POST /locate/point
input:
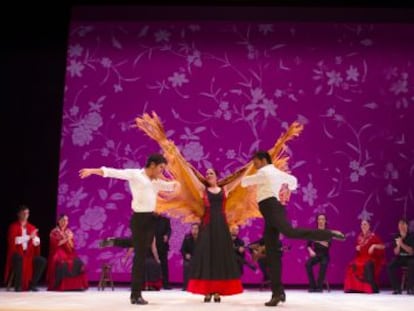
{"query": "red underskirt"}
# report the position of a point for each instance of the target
(222, 287)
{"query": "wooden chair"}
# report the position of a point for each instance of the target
(106, 276)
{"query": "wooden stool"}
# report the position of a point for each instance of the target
(106, 276)
(10, 280)
(404, 272)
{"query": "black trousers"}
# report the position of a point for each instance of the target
(39, 265)
(274, 215)
(323, 266)
(163, 255)
(186, 272)
(395, 265)
(142, 227)
(123, 242)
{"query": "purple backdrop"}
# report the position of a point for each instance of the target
(224, 89)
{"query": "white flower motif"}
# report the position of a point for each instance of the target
(269, 107)
(224, 105)
(81, 238)
(118, 88)
(391, 172)
(335, 78)
(76, 197)
(390, 189)
(193, 151)
(75, 68)
(354, 165)
(177, 79)
(278, 93)
(365, 215)
(93, 120)
(265, 28)
(330, 112)
(257, 95)
(230, 154)
(218, 113)
(94, 218)
(399, 87)
(195, 59)
(362, 171)
(162, 35)
(227, 115)
(354, 177)
(352, 74)
(81, 136)
(106, 62)
(75, 50)
(309, 193)
(74, 110)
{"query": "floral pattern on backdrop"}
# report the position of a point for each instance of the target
(225, 89)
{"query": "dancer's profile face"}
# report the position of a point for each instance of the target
(157, 170)
(259, 163)
(211, 177)
(321, 221)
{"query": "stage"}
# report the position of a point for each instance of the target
(176, 299)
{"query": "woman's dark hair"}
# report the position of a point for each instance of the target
(403, 220)
(205, 182)
(155, 158)
(60, 217)
(262, 155)
(21, 208)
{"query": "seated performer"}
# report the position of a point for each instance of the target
(363, 272)
(318, 254)
(404, 257)
(187, 251)
(65, 270)
(239, 249)
(258, 251)
(23, 253)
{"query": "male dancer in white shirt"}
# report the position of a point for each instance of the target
(271, 184)
(144, 185)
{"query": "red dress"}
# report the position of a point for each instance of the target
(16, 230)
(355, 278)
(213, 268)
(64, 254)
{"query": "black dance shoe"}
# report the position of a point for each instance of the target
(274, 301)
(217, 298)
(106, 242)
(397, 292)
(338, 235)
(137, 300)
(207, 298)
(283, 297)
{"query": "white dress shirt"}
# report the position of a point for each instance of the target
(269, 181)
(144, 190)
(25, 238)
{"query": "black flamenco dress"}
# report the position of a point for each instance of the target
(214, 267)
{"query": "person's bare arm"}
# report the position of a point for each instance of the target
(86, 172)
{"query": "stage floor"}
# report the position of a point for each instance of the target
(177, 300)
